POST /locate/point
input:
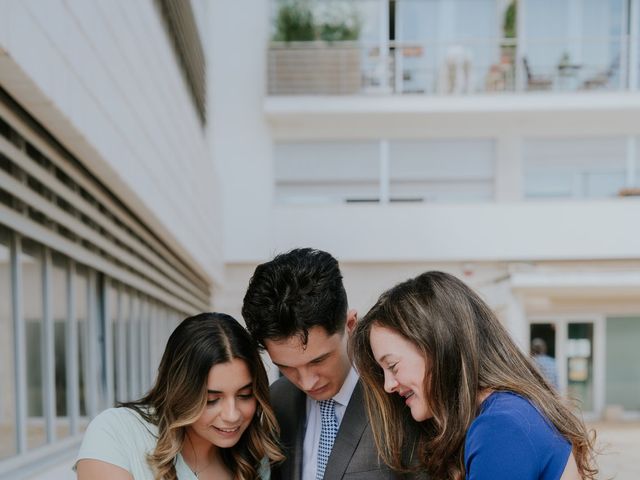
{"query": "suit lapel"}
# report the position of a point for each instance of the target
(300, 415)
(353, 424)
(292, 417)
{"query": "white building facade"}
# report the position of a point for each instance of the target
(109, 214)
(492, 139)
(505, 154)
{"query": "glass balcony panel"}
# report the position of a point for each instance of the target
(458, 47)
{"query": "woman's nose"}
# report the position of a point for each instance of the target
(390, 383)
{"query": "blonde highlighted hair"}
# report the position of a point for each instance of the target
(470, 351)
(179, 395)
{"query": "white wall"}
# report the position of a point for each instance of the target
(102, 77)
(241, 142)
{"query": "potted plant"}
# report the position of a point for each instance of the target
(311, 56)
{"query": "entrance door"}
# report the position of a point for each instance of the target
(579, 365)
(571, 343)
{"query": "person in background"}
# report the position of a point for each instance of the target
(443, 379)
(296, 307)
(546, 363)
(207, 416)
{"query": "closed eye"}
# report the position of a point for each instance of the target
(318, 360)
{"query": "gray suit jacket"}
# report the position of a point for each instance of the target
(354, 455)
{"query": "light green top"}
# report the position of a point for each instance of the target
(121, 437)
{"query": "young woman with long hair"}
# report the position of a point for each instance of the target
(449, 393)
(207, 415)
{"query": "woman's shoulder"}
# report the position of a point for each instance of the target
(122, 421)
(121, 437)
(117, 414)
(507, 418)
(510, 405)
(510, 431)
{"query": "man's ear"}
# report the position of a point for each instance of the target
(352, 319)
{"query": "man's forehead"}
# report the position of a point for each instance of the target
(293, 351)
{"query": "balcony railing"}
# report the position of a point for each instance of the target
(466, 67)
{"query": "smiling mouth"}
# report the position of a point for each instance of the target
(227, 430)
(407, 395)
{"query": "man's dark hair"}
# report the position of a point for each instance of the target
(538, 347)
(293, 293)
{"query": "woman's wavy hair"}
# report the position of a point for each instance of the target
(179, 395)
(470, 351)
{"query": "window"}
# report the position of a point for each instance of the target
(8, 445)
(81, 285)
(442, 171)
(32, 308)
(623, 363)
(60, 309)
(63, 238)
(327, 172)
(575, 168)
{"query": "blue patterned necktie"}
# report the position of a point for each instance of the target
(327, 434)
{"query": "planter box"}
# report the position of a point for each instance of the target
(629, 192)
(314, 68)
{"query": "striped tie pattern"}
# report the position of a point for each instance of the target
(328, 434)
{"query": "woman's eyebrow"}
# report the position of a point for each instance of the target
(381, 359)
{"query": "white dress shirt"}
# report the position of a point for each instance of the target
(314, 424)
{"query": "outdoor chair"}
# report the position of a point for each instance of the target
(536, 82)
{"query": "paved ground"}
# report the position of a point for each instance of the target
(620, 445)
(620, 458)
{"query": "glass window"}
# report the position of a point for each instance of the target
(578, 46)
(442, 170)
(143, 346)
(623, 363)
(446, 46)
(133, 350)
(60, 315)
(122, 357)
(82, 316)
(579, 349)
(327, 172)
(112, 302)
(7, 365)
(32, 302)
(574, 168)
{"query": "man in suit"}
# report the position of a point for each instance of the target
(296, 308)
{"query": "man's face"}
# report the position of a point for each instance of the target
(318, 368)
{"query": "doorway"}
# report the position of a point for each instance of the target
(577, 347)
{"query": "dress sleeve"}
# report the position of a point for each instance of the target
(264, 471)
(500, 447)
(105, 441)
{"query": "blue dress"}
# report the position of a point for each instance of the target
(511, 439)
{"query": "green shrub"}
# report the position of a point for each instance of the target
(295, 23)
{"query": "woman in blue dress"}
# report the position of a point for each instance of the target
(430, 350)
(207, 416)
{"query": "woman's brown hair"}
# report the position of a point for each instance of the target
(470, 352)
(179, 395)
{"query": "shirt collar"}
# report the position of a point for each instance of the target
(344, 395)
